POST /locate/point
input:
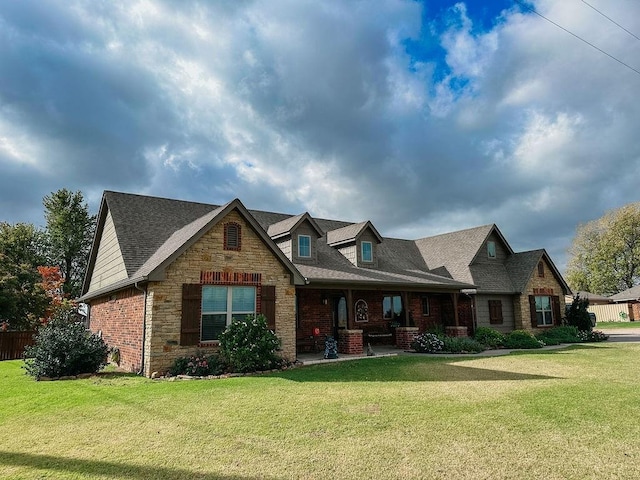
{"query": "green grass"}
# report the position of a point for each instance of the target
(570, 413)
(602, 325)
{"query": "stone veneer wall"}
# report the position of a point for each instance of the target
(164, 299)
(119, 318)
(521, 309)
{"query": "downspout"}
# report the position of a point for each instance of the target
(144, 325)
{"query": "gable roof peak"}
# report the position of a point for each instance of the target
(351, 233)
(288, 225)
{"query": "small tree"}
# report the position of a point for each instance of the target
(248, 345)
(578, 316)
(70, 231)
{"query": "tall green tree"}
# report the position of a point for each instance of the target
(22, 298)
(604, 257)
(70, 231)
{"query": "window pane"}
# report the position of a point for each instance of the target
(540, 318)
(367, 252)
(546, 303)
(342, 312)
(304, 246)
(213, 326)
(386, 307)
(491, 249)
(397, 305)
(244, 299)
(214, 299)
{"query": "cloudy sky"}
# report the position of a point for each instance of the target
(424, 117)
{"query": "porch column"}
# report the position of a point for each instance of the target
(457, 330)
(405, 307)
(350, 310)
(454, 298)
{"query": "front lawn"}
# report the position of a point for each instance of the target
(608, 325)
(570, 413)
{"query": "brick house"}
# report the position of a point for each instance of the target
(166, 276)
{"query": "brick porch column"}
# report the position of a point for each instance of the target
(456, 331)
(405, 336)
(350, 342)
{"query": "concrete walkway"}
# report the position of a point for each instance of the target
(615, 335)
(390, 351)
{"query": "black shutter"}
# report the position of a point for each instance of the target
(268, 304)
(191, 304)
(532, 311)
(495, 311)
(555, 308)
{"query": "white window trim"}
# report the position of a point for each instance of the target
(362, 251)
(299, 238)
(545, 313)
(229, 312)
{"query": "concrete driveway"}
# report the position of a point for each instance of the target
(621, 334)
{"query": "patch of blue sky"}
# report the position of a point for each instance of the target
(440, 16)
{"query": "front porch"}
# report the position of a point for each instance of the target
(357, 318)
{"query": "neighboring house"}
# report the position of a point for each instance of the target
(630, 296)
(165, 277)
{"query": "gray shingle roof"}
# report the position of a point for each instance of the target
(631, 294)
(284, 227)
(350, 233)
(453, 252)
(151, 231)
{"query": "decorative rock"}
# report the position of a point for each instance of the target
(154, 375)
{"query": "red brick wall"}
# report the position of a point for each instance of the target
(120, 319)
(312, 313)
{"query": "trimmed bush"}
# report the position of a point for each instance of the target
(64, 348)
(578, 316)
(489, 337)
(462, 345)
(558, 335)
(427, 343)
(521, 339)
(198, 365)
(593, 336)
(249, 346)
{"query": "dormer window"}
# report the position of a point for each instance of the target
(367, 251)
(491, 249)
(304, 246)
(232, 236)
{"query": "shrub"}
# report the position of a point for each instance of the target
(198, 365)
(462, 345)
(558, 335)
(522, 339)
(578, 316)
(248, 345)
(593, 336)
(489, 337)
(64, 348)
(427, 343)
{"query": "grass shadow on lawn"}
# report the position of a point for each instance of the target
(101, 468)
(403, 369)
